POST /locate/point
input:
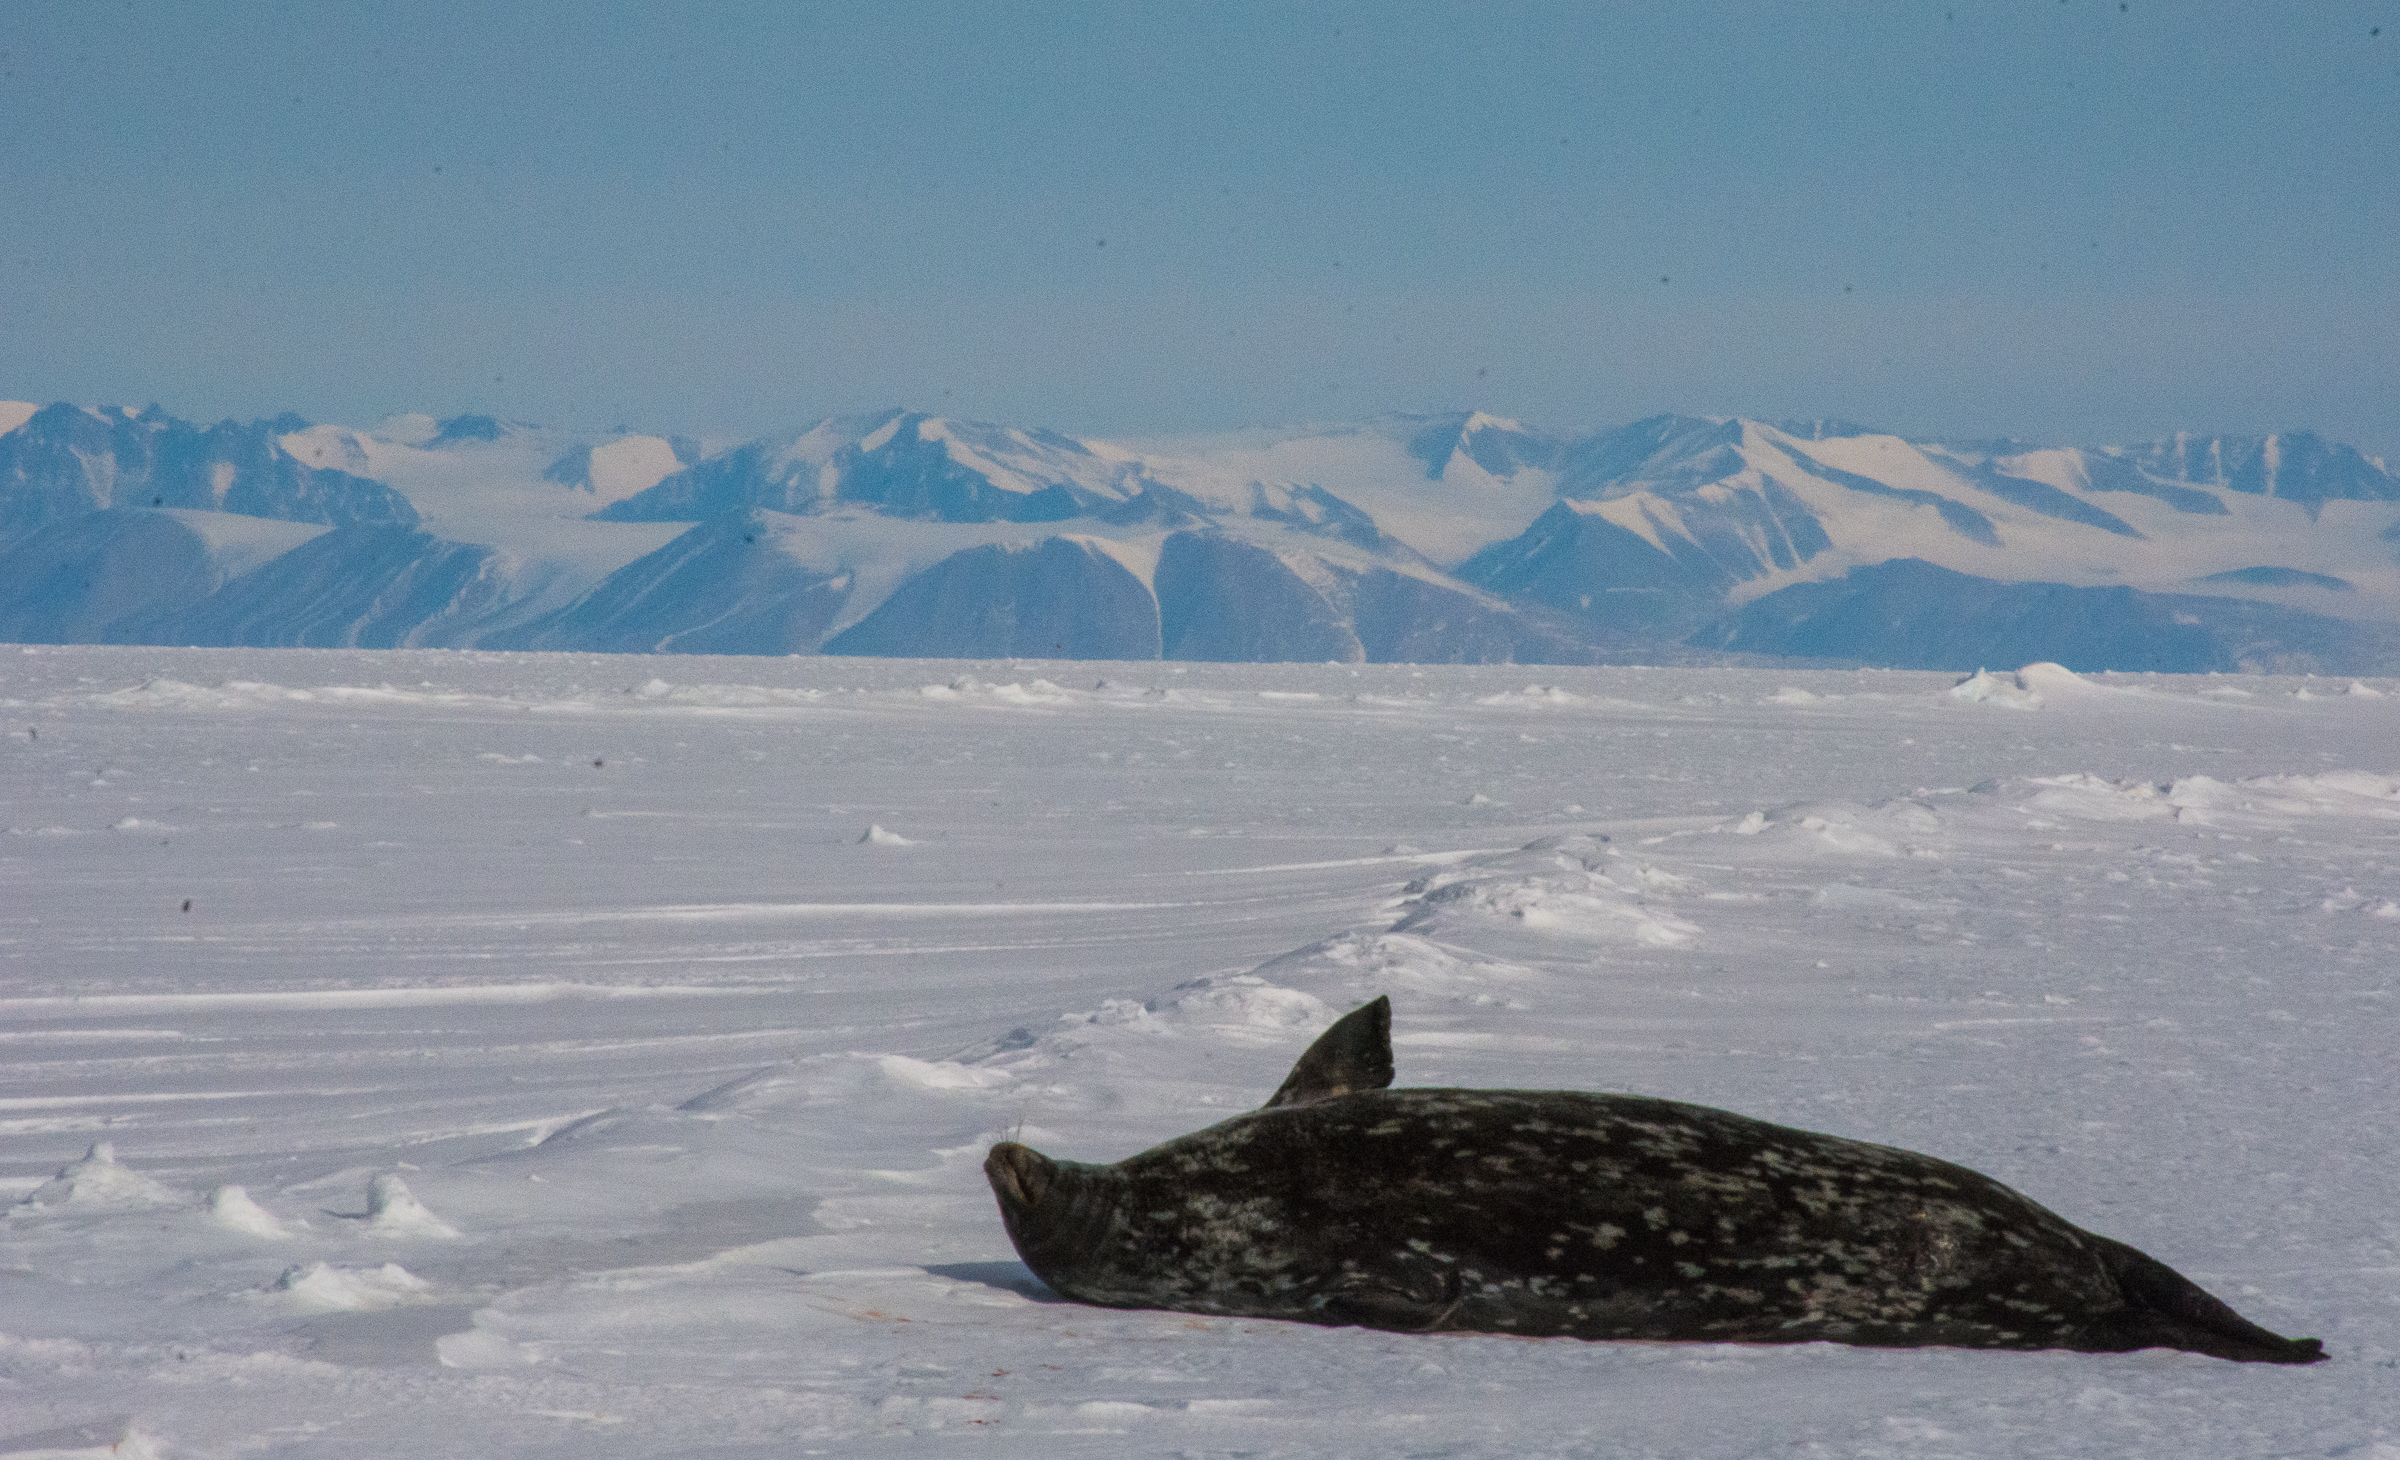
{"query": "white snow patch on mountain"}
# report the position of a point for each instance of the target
(237, 543)
(630, 464)
(1367, 465)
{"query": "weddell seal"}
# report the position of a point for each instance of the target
(1547, 1212)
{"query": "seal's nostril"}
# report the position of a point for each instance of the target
(1020, 1173)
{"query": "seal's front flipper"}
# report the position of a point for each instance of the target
(1355, 1054)
(1417, 1300)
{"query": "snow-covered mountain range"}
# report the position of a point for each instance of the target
(1452, 538)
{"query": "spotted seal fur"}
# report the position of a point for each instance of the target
(1597, 1216)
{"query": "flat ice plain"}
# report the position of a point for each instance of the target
(575, 1055)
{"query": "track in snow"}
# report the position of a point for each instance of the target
(599, 966)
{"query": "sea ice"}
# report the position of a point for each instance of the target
(704, 1087)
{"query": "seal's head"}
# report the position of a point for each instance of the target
(1058, 1213)
(1079, 1227)
(1021, 1176)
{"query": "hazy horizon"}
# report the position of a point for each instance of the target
(2085, 223)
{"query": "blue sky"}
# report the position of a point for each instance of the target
(2081, 222)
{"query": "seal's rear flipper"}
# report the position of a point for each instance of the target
(2165, 1309)
(1355, 1054)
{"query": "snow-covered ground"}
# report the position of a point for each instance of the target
(573, 1055)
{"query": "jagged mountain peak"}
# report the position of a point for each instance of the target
(1337, 540)
(2299, 466)
(1499, 446)
(1825, 428)
(616, 469)
(900, 463)
(1657, 452)
(64, 419)
(468, 430)
(984, 436)
(152, 414)
(62, 461)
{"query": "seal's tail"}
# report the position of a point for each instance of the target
(2165, 1309)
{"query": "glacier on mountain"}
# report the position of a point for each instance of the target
(1463, 537)
(62, 461)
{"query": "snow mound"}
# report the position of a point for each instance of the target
(852, 1079)
(1792, 695)
(1552, 888)
(105, 1440)
(583, 1128)
(1242, 1009)
(1849, 897)
(230, 1207)
(2358, 691)
(394, 1211)
(2095, 798)
(97, 1182)
(939, 1074)
(320, 1287)
(2021, 690)
(650, 696)
(2349, 899)
(2266, 802)
(876, 836)
(721, 696)
(1359, 965)
(743, 1092)
(1535, 694)
(162, 693)
(1902, 826)
(968, 687)
(1113, 692)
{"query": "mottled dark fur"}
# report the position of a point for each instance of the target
(1597, 1216)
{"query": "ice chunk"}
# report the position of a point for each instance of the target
(2009, 691)
(394, 1211)
(320, 1287)
(97, 1181)
(231, 1207)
